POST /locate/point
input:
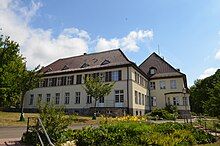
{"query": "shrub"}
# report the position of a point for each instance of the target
(163, 114)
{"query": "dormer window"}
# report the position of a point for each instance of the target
(105, 62)
(65, 67)
(49, 69)
(152, 71)
(84, 65)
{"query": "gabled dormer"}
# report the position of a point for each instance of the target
(105, 62)
(84, 65)
(65, 67)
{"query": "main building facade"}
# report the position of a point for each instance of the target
(137, 89)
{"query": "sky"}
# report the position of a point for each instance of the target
(185, 33)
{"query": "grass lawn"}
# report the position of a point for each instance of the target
(12, 118)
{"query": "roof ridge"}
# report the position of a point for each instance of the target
(91, 53)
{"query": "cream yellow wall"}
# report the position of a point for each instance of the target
(159, 93)
(109, 100)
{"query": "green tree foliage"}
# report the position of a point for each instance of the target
(96, 88)
(11, 66)
(205, 95)
(15, 79)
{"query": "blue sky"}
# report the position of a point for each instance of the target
(187, 32)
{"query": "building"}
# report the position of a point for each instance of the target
(63, 81)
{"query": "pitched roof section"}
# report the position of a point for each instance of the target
(94, 60)
(162, 67)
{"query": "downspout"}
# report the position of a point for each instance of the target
(150, 108)
(128, 89)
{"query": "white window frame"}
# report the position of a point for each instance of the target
(48, 97)
(119, 96)
(176, 101)
(152, 85)
(67, 98)
(57, 98)
(78, 94)
(173, 84)
(162, 84)
(31, 101)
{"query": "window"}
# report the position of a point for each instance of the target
(143, 99)
(89, 99)
(48, 97)
(105, 62)
(136, 77)
(77, 98)
(68, 80)
(139, 98)
(136, 113)
(95, 75)
(136, 97)
(50, 82)
(45, 82)
(79, 79)
(39, 97)
(119, 96)
(116, 75)
(31, 99)
(152, 71)
(141, 80)
(63, 81)
(162, 85)
(59, 79)
(146, 99)
(41, 83)
(108, 76)
(54, 81)
(67, 98)
(152, 86)
(153, 101)
(101, 100)
(185, 102)
(57, 98)
(175, 101)
(173, 84)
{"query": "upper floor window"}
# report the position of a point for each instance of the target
(173, 84)
(162, 85)
(45, 83)
(70, 80)
(152, 86)
(54, 81)
(119, 96)
(136, 77)
(79, 79)
(63, 81)
(77, 98)
(136, 97)
(59, 79)
(31, 99)
(108, 76)
(116, 75)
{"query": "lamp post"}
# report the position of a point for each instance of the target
(185, 101)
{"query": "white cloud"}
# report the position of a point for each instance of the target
(208, 72)
(127, 43)
(38, 45)
(217, 55)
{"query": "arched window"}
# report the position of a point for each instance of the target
(152, 71)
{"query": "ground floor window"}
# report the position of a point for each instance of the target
(101, 100)
(185, 101)
(48, 97)
(175, 101)
(77, 98)
(67, 98)
(119, 96)
(57, 99)
(39, 97)
(89, 99)
(31, 99)
(136, 113)
(153, 101)
(136, 97)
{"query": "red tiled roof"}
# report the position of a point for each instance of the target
(159, 63)
(88, 61)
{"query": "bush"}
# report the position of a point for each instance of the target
(55, 122)
(163, 114)
(134, 133)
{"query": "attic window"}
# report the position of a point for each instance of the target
(65, 67)
(105, 62)
(49, 69)
(152, 71)
(94, 60)
(84, 65)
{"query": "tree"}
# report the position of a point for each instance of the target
(205, 95)
(11, 65)
(96, 88)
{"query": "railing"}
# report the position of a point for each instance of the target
(38, 128)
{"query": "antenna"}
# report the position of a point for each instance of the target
(158, 49)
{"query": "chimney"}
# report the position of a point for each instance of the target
(178, 69)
